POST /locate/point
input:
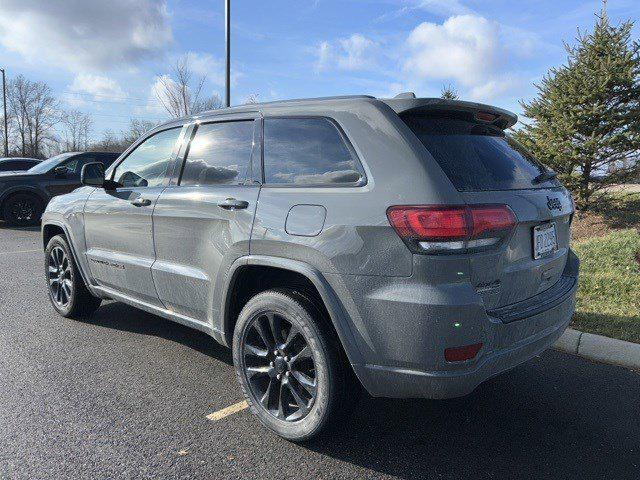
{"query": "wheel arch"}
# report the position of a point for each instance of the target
(305, 277)
(52, 228)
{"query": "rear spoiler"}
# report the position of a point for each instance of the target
(502, 118)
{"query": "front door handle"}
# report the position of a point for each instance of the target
(141, 202)
(233, 204)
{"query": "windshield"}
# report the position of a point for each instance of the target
(50, 163)
(478, 157)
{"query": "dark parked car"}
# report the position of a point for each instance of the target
(17, 164)
(25, 194)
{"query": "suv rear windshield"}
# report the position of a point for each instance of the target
(477, 157)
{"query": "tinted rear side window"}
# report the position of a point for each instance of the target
(220, 154)
(477, 157)
(308, 151)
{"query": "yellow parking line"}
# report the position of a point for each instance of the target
(225, 412)
(20, 251)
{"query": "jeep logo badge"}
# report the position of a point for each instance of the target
(554, 204)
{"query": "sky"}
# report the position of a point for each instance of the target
(105, 57)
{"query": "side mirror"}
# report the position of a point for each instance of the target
(93, 175)
(61, 171)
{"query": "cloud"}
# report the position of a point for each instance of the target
(82, 35)
(495, 88)
(465, 48)
(206, 65)
(436, 7)
(98, 86)
(356, 52)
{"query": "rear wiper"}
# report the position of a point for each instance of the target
(544, 176)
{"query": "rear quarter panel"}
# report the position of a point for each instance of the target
(356, 238)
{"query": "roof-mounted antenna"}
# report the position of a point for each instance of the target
(406, 95)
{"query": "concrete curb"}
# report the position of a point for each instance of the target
(599, 348)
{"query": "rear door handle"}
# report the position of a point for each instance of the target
(141, 202)
(233, 204)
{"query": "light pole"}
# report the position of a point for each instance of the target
(227, 31)
(4, 106)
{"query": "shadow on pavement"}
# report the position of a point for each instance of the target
(555, 417)
(120, 316)
(4, 226)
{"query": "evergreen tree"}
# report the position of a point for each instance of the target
(449, 93)
(586, 115)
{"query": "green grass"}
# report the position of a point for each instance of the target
(609, 290)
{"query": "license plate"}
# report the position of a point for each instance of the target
(544, 240)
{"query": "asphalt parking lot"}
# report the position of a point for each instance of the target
(125, 394)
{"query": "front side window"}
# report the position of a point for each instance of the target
(147, 165)
(308, 151)
(220, 154)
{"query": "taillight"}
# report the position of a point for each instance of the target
(457, 229)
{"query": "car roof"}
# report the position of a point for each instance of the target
(401, 104)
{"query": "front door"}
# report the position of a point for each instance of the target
(118, 222)
(202, 223)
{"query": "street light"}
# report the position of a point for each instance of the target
(227, 28)
(4, 105)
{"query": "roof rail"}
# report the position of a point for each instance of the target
(296, 100)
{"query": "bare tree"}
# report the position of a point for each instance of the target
(109, 143)
(77, 128)
(34, 112)
(252, 98)
(180, 91)
(137, 128)
(112, 142)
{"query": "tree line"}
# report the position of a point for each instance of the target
(40, 126)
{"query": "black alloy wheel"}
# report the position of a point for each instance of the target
(67, 291)
(59, 276)
(279, 366)
(22, 209)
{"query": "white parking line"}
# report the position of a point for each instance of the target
(225, 412)
(20, 251)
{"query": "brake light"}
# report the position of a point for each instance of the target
(437, 229)
(485, 117)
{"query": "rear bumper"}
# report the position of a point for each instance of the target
(393, 382)
(420, 371)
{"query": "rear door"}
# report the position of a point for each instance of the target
(118, 222)
(488, 167)
(202, 222)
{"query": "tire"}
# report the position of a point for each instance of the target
(67, 291)
(322, 381)
(22, 210)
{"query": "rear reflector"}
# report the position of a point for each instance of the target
(437, 229)
(460, 354)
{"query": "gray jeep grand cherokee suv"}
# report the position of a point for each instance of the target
(408, 246)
